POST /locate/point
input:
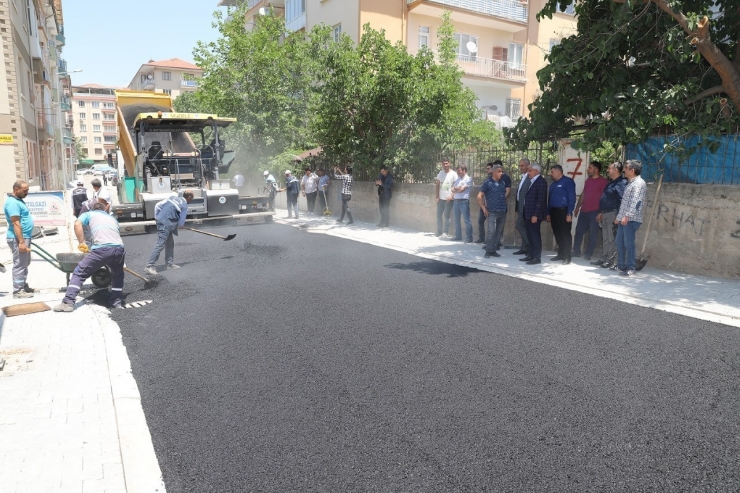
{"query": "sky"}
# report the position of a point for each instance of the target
(108, 41)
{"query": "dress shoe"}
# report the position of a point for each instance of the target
(598, 262)
(534, 261)
(526, 259)
(520, 252)
(556, 258)
(566, 261)
(492, 254)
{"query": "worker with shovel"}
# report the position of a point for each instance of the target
(107, 249)
(170, 214)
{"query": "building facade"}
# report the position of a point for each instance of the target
(94, 121)
(500, 43)
(173, 77)
(31, 102)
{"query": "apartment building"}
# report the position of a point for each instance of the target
(94, 120)
(501, 45)
(173, 77)
(31, 125)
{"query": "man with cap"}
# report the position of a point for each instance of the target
(79, 197)
(106, 249)
(100, 192)
(293, 188)
(271, 185)
(170, 214)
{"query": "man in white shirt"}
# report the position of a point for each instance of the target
(443, 194)
(461, 195)
(310, 188)
(100, 192)
(271, 185)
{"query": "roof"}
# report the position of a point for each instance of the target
(173, 63)
(94, 86)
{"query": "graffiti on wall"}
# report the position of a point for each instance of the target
(681, 219)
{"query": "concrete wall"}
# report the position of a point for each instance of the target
(695, 229)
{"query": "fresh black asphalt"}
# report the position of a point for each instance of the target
(290, 361)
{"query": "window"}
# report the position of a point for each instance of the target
(83, 139)
(463, 51)
(513, 108)
(97, 140)
(423, 36)
(83, 128)
(516, 56)
(95, 104)
(96, 116)
(81, 104)
(83, 116)
(109, 117)
(143, 78)
(96, 128)
(109, 128)
(98, 151)
(188, 77)
(110, 139)
(167, 91)
(570, 9)
(84, 150)
(294, 9)
(166, 75)
(336, 32)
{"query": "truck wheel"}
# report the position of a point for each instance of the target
(102, 278)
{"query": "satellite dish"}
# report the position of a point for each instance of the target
(150, 76)
(262, 11)
(472, 47)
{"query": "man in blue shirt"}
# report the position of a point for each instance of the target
(609, 204)
(560, 212)
(20, 230)
(170, 214)
(106, 249)
(481, 217)
(324, 182)
(492, 203)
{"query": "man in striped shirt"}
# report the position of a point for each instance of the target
(629, 217)
(346, 178)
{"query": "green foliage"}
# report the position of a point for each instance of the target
(79, 150)
(636, 74)
(367, 104)
(259, 77)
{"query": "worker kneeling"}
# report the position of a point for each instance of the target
(107, 249)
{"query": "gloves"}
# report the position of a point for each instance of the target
(83, 248)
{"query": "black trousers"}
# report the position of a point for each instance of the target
(345, 207)
(561, 229)
(311, 201)
(385, 210)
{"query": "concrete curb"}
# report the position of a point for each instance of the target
(140, 464)
(603, 291)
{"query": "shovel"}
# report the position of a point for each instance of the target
(640, 262)
(225, 238)
(327, 211)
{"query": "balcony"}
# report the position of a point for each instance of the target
(506, 15)
(67, 137)
(65, 104)
(297, 23)
(189, 83)
(62, 66)
(492, 69)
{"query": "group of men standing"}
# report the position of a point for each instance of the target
(613, 206)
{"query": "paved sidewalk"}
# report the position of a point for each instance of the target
(705, 298)
(70, 411)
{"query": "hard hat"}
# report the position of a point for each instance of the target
(266, 173)
(287, 172)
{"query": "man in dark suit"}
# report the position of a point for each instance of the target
(535, 211)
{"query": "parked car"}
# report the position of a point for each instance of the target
(86, 171)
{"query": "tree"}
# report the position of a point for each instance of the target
(376, 104)
(80, 151)
(640, 67)
(259, 77)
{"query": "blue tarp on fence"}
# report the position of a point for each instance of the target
(702, 167)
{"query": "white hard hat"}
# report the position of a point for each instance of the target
(287, 172)
(266, 173)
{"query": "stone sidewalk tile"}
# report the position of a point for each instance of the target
(66, 373)
(705, 298)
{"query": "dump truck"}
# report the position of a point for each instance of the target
(166, 153)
